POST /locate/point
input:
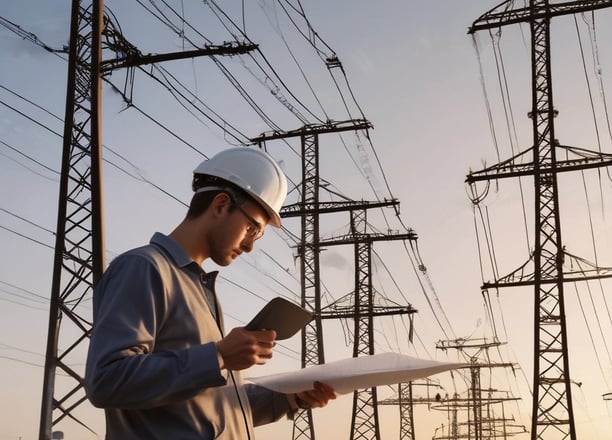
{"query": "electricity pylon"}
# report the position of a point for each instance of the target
(362, 306)
(309, 210)
(483, 422)
(456, 429)
(79, 257)
(552, 410)
(405, 400)
(79, 245)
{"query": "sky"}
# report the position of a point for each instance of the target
(433, 96)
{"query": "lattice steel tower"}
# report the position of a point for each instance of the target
(552, 412)
(360, 306)
(308, 209)
(406, 400)
(79, 257)
(79, 245)
(483, 421)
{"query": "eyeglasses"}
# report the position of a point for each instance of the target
(254, 229)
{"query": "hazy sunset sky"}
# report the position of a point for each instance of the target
(441, 103)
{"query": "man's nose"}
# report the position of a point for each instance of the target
(247, 244)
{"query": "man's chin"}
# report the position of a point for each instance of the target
(225, 261)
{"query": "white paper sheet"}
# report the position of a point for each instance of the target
(351, 374)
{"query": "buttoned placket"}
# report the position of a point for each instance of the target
(207, 280)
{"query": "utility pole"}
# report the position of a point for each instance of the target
(79, 246)
(552, 409)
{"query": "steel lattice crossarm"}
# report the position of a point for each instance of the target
(370, 237)
(577, 159)
(399, 399)
(345, 308)
(299, 209)
(579, 270)
(501, 15)
(128, 55)
(483, 401)
(494, 427)
(313, 129)
(457, 402)
(492, 434)
(134, 57)
(395, 401)
(462, 343)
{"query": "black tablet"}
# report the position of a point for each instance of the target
(281, 315)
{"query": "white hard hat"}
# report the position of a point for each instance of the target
(253, 171)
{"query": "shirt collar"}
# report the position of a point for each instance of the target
(173, 249)
(180, 257)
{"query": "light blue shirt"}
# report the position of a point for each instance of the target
(152, 362)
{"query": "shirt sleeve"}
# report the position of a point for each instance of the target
(123, 369)
(267, 406)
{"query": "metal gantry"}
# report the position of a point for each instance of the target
(552, 409)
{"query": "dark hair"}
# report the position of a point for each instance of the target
(202, 200)
(200, 203)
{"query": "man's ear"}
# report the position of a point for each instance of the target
(220, 203)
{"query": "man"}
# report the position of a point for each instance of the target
(159, 362)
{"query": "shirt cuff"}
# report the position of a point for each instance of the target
(296, 403)
(219, 359)
(292, 399)
(201, 368)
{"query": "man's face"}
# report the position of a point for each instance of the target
(236, 232)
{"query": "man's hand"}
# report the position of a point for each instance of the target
(315, 398)
(242, 348)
